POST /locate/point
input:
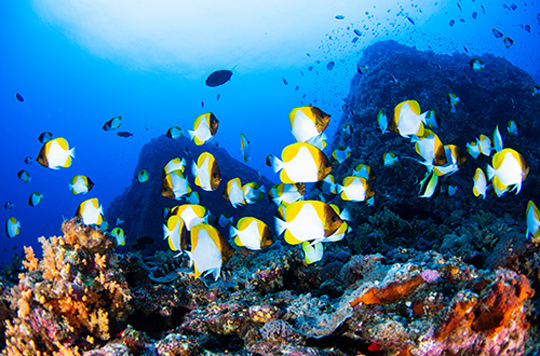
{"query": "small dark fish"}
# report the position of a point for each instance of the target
(451, 23)
(303, 96)
(285, 81)
(8, 205)
(202, 104)
(24, 176)
(497, 33)
(124, 134)
(45, 137)
(474, 15)
(528, 28)
(28, 160)
(330, 65)
(340, 17)
(113, 123)
(357, 32)
(354, 40)
(19, 97)
(310, 68)
(219, 77)
(513, 6)
(296, 88)
(460, 9)
(508, 42)
(410, 20)
(483, 9)
(466, 49)
(218, 96)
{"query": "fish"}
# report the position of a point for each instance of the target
(90, 212)
(408, 120)
(484, 145)
(224, 220)
(508, 42)
(13, 227)
(218, 96)
(244, 147)
(497, 33)
(533, 220)
(512, 128)
(8, 205)
(382, 121)
(455, 159)
(24, 176)
(340, 17)
(508, 169)
(309, 220)
(364, 171)
(285, 81)
(119, 221)
(209, 250)
(174, 132)
(124, 134)
(175, 164)
(327, 185)
(204, 128)
(174, 185)
(347, 129)
(35, 198)
(219, 77)
(330, 65)
(362, 69)
(175, 232)
(80, 184)
(410, 20)
(28, 160)
(308, 122)
(251, 233)
(474, 15)
(431, 149)
(536, 90)
(206, 172)
(233, 192)
(282, 193)
(432, 119)
(113, 123)
(192, 214)
(480, 183)
(452, 190)
(56, 153)
(355, 189)
(19, 97)
(142, 176)
(312, 253)
(428, 185)
(390, 159)
(44, 137)
(301, 163)
(340, 154)
(497, 139)
(357, 32)
(473, 149)
(193, 198)
(118, 234)
(202, 104)
(453, 100)
(253, 192)
(451, 23)
(477, 64)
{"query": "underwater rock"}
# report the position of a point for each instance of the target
(141, 205)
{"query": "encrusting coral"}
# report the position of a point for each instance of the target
(66, 301)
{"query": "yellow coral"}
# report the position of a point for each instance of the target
(101, 261)
(31, 263)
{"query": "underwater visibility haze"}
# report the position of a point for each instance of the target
(386, 156)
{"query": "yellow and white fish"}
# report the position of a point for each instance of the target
(382, 122)
(328, 185)
(512, 128)
(308, 122)
(356, 189)
(233, 192)
(432, 119)
(174, 185)
(209, 250)
(473, 149)
(484, 144)
(192, 214)
(253, 192)
(390, 159)
(453, 100)
(118, 234)
(454, 161)
(364, 171)
(80, 184)
(408, 120)
(497, 139)
(24, 176)
(206, 172)
(508, 169)
(90, 212)
(431, 149)
(56, 153)
(309, 220)
(312, 253)
(244, 147)
(175, 232)
(13, 227)
(284, 193)
(193, 198)
(477, 64)
(340, 154)
(174, 132)
(175, 164)
(480, 183)
(35, 198)
(204, 128)
(143, 176)
(251, 233)
(301, 162)
(428, 185)
(347, 129)
(533, 220)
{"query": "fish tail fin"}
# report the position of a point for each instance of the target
(339, 188)
(233, 231)
(345, 215)
(490, 172)
(72, 152)
(281, 226)
(277, 164)
(194, 169)
(166, 232)
(191, 134)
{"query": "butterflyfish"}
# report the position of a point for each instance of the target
(390, 159)
(312, 253)
(408, 120)
(251, 233)
(56, 153)
(24, 176)
(142, 176)
(382, 122)
(512, 128)
(44, 137)
(174, 185)
(118, 234)
(328, 185)
(224, 220)
(174, 132)
(286, 193)
(90, 212)
(175, 164)
(8, 205)
(244, 147)
(454, 161)
(253, 192)
(301, 162)
(484, 144)
(80, 184)
(348, 129)
(508, 169)
(13, 227)
(35, 198)
(473, 149)
(497, 139)
(356, 189)
(192, 214)
(308, 122)
(175, 232)
(533, 220)
(431, 149)
(308, 220)
(340, 154)
(113, 123)
(477, 64)
(206, 172)
(193, 198)
(453, 100)
(28, 160)
(480, 183)
(233, 192)
(204, 128)
(432, 119)
(428, 185)
(209, 250)
(364, 171)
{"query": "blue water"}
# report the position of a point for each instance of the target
(75, 74)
